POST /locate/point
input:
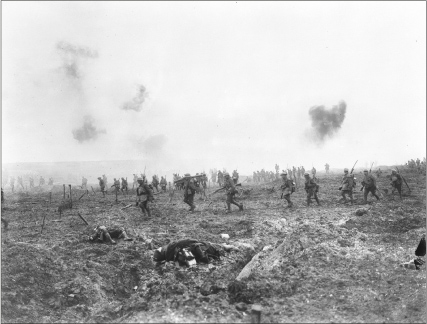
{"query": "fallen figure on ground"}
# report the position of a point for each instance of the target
(104, 234)
(420, 252)
(185, 251)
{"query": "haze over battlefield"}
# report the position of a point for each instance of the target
(201, 85)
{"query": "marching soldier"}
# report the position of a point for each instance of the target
(145, 195)
(287, 188)
(84, 183)
(41, 181)
(163, 184)
(236, 175)
(20, 182)
(396, 182)
(50, 183)
(104, 177)
(135, 181)
(313, 172)
(347, 185)
(116, 185)
(311, 187)
(369, 186)
(327, 168)
(124, 185)
(220, 178)
(102, 186)
(155, 183)
(231, 192)
(189, 191)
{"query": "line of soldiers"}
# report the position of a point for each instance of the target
(20, 182)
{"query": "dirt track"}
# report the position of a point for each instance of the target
(348, 272)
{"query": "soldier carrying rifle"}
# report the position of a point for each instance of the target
(231, 190)
(369, 185)
(288, 187)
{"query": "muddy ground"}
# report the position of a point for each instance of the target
(348, 270)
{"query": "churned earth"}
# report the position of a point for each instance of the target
(316, 264)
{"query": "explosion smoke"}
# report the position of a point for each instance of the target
(88, 131)
(137, 101)
(327, 122)
(70, 56)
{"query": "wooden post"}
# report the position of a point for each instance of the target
(71, 198)
(256, 314)
(43, 223)
(83, 218)
(64, 191)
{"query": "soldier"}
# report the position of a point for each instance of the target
(327, 168)
(102, 186)
(145, 195)
(235, 175)
(31, 182)
(104, 177)
(116, 185)
(163, 183)
(124, 186)
(294, 172)
(220, 178)
(370, 186)
(21, 182)
(396, 182)
(311, 188)
(347, 185)
(302, 170)
(135, 181)
(84, 183)
(299, 173)
(276, 167)
(378, 172)
(189, 191)
(50, 183)
(155, 183)
(41, 181)
(287, 187)
(263, 175)
(213, 177)
(104, 234)
(231, 191)
(313, 172)
(12, 183)
(204, 181)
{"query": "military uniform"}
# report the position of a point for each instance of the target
(163, 183)
(104, 234)
(311, 188)
(144, 195)
(231, 192)
(102, 186)
(287, 188)
(155, 183)
(50, 183)
(116, 184)
(347, 185)
(396, 182)
(189, 191)
(370, 186)
(84, 182)
(124, 185)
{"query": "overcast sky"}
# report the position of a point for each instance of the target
(200, 85)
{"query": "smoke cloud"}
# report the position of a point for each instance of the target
(88, 131)
(136, 103)
(71, 58)
(326, 122)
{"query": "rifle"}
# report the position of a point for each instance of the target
(403, 179)
(352, 169)
(192, 177)
(236, 185)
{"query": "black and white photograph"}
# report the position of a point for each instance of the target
(213, 162)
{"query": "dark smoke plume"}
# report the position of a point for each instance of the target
(71, 56)
(326, 122)
(88, 131)
(137, 101)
